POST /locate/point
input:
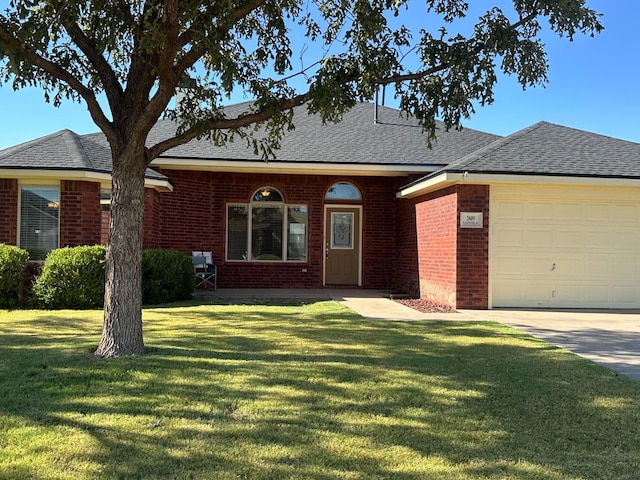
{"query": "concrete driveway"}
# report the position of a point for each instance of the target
(608, 337)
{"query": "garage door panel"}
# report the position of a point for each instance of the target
(538, 212)
(625, 294)
(625, 241)
(597, 267)
(570, 239)
(626, 213)
(594, 242)
(537, 266)
(598, 213)
(510, 210)
(538, 239)
(597, 295)
(595, 239)
(566, 213)
(624, 267)
(509, 237)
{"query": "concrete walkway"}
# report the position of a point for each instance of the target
(611, 338)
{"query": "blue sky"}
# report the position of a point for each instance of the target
(594, 85)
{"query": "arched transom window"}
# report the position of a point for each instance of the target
(267, 229)
(343, 191)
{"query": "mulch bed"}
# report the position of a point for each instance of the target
(424, 305)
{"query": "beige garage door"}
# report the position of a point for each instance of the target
(565, 246)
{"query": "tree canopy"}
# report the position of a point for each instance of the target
(126, 59)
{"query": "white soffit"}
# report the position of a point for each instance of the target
(83, 175)
(446, 179)
(396, 170)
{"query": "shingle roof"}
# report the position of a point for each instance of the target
(59, 151)
(548, 149)
(64, 150)
(394, 140)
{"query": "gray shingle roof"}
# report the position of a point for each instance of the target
(64, 150)
(58, 151)
(394, 140)
(548, 149)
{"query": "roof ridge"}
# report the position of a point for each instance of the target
(12, 150)
(72, 141)
(482, 152)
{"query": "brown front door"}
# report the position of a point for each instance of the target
(342, 246)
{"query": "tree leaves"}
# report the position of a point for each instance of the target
(136, 53)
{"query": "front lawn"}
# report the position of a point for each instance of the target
(305, 392)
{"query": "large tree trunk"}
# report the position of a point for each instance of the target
(122, 328)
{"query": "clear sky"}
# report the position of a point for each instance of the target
(594, 85)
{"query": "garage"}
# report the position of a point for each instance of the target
(564, 246)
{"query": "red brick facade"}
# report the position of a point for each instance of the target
(193, 217)
(453, 262)
(80, 215)
(9, 211)
(409, 245)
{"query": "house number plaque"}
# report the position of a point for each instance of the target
(470, 219)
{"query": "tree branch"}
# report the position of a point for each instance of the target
(13, 45)
(438, 68)
(112, 86)
(222, 124)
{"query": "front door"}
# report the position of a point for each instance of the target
(342, 246)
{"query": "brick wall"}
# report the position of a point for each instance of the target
(80, 214)
(152, 219)
(9, 211)
(436, 221)
(407, 276)
(194, 217)
(473, 250)
(453, 262)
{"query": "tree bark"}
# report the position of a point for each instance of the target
(122, 327)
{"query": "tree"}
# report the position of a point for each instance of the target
(126, 59)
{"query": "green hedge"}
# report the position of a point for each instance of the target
(72, 278)
(167, 276)
(13, 261)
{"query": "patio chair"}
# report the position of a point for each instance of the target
(205, 271)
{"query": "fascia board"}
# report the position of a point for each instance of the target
(49, 175)
(446, 179)
(291, 167)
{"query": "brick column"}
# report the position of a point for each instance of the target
(9, 211)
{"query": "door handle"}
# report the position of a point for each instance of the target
(326, 251)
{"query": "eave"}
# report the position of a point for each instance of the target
(300, 168)
(35, 174)
(446, 179)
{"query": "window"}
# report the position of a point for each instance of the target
(39, 215)
(267, 229)
(343, 191)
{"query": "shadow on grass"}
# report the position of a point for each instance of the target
(310, 392)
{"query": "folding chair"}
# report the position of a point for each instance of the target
(205, 271)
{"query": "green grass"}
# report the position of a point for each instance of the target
(305, 392)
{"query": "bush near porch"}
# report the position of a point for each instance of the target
(74, 277)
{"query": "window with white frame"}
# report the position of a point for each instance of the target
(267, 229)
(39, 220)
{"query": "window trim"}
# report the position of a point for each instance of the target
(36, 184)
(285, 230)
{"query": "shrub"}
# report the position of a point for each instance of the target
(13, 261)
(72, 278)
(167, 276)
